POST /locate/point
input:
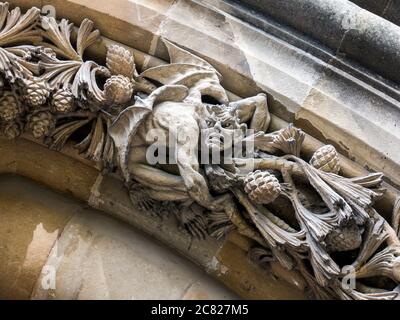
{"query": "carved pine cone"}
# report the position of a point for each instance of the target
(344, 238)
(36, 92)
(326, 159)
(63, 101)
(10, 107)
(118, 89)
(262, 186)
(12, 130)
(41, 123)
(120, 61)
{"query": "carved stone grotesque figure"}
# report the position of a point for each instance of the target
(296, 212)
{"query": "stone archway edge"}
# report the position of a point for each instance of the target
(342, 26)
(388, 10)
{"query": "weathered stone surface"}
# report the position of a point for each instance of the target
(387, 9)
(392, 12)
(65, 174)
(31, 219)
(116, 262)
(377, 7)
(231, 268)
(342, 26)
(109, 195)
(94, 257)
(373, 144)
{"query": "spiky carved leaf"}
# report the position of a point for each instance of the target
(86, 36)
(288, 140)
(15, 28)
(79, 74)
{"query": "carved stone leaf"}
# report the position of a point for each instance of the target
(58, 73)
(385, 262)
(277, 234)
(372, 180)
(15, 28)
(95, 149)
(59, 35)
(325, 268)
(337, 205)
(288, 140)
(62, 133)
(81, 75)
(370, 294)
(375, 235)
(86, 36)
(12, 68)
(84, 86)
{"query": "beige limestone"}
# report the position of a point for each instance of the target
(31, 219)
(94, 256)
(99, 258)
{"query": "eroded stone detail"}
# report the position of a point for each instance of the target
(50, 90)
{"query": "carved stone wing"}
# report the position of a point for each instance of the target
(128, 121)
(193, 72)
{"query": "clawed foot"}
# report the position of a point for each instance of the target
(221, 203)
(140, 198)
(143, 201)
(192, 219)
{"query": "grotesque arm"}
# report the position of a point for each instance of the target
(254, 109)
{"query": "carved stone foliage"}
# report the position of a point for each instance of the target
(303, 214)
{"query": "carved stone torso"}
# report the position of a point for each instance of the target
(181, 115)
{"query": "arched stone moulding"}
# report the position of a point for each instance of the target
(309, 92)
(103, 189)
